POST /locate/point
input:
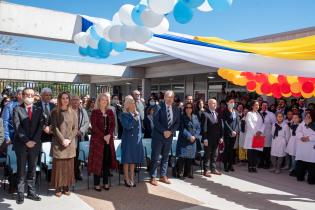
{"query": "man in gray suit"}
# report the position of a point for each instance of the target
(28, 125)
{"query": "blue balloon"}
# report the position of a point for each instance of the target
(93, 33)
(119, 46)
(136, 14)
(220, 5)
(92, 52)
(103, 54)
(192, 3)
(104, 46)
(182, 13)
(83, 51)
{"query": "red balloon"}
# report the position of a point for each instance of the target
(297, 95)
(282, 79)
(285, 88)
(307, 87)
(276, 90)
(303, 79)
(266, 88)
(251, 85)
(250, 75)
(261, 77)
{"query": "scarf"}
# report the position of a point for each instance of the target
(293, 128)
(278, 128)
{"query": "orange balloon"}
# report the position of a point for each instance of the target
(286, 95)
(307, 95)
(258, 89)
(295, 87)
(292, 79)
(242, 81)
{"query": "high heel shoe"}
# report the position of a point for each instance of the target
(133, 184)
(106, 187)
(127, 184)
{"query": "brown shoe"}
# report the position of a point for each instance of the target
(153, 182)
(207, 174)
(66, 191)
(165, 180)
(58, 194)
(216, 172)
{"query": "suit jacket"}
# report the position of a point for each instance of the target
(161, 124)
(213, 129)
(147, 127)
(26, 129)
(230, 124)
(47, 120)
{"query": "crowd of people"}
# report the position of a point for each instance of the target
(277, 136)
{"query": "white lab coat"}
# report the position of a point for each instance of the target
(279, 143)
(291, 146)
(270, 119)
(254, 123)
(305, 151)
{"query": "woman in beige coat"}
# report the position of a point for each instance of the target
(64, 128)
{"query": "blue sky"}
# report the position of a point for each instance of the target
(245, 19)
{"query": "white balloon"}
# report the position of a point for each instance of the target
(116, 20)
(205, 7)
(151, 19)
(81, 39)
(125, 14)
(100, 26)
(162, 6)
(128, 33)
(114, 33)
(93, 43)
(114, 53)
(142, 35)
(106, 32)
(162, 28)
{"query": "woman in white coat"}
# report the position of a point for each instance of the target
(281, 133)
(254, 127)
(305, 149)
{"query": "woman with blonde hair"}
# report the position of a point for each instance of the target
(64, 124)
(102, 156)
(131, 141)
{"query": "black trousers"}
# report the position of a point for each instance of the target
(252, 156)
(228, 153)
(26, 156)
(265, 158)
(302, 168)
(210, 156)
(184, 166)
(77, 163)
(106, 167)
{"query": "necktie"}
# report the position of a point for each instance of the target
(29, 112)
(263, 116)
(169, 119)
(214, 116)
(46, 110)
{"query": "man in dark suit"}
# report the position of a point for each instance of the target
(212, 136)
(46, 107)
(166, 122)
(28, 125)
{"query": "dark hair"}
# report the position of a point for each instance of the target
(149, 110)
(25, 89)
(89, 102)
(192, 107)
(148, 101)
(312, 113)
(188, 96)
(2, 105)
(198, 103)
(265, 102)
(252, 103)
(228, 99)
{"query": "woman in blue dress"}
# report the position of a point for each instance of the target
(189, 134)
(131, 141)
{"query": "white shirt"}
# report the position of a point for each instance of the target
(269, 120)
(170, 110)
(254, 123)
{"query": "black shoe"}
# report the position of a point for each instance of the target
(190, 176)
(195, 163)
(254, 170)
(292, 173)
(97, 189)
(20, 198)
(181, 177)
(231, 168)
(226, 169)
(34, 197)
(250, 170)
(79, 178)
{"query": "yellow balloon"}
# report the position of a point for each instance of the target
(273, 78)
(307, 95)
(295, 87)
(269, 94)
(258, 89)
(242, 81)
(292, 79)
(286, 95)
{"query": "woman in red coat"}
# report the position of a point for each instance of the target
(102, 156)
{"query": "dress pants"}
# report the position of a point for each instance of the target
(210, 156)
(252, 156)
(160, 147)
(106, 167)
(77, 162)
(265, 158)
(27, 157)
(302, 168)
(228, 153)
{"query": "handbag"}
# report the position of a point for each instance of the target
(258, 141)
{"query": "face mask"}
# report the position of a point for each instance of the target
(152, 103)
(231, 106)
(29, 101)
